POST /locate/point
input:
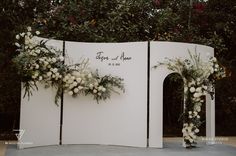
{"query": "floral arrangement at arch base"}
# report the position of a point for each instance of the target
(199, 79)
(39, 63)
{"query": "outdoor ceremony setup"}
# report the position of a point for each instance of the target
(117, 77)
(68, 116)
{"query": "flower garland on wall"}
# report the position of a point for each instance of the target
(39, 63)
(199, 78)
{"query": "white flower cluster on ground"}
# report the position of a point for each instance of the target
(37, 62)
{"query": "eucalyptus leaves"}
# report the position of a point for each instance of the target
(39, 63)
(199, 79)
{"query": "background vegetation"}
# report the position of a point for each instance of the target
(211, 22)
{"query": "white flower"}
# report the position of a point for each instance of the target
(95, 91)
(22, 34)
(199, 89)
(36, 66)
(29, 28)
(100, 88)
(37, 32)
(76, 90)
(198, 79)
(61, 58)
(28, 33)
(40, 78)
(99, 94)
(54, 60)
(192, 89)
(196, 130)
(49, 73)
(17, 44)
(75, 83)
(205, 87)
(70, 93)
(91, 86)
(103, 89)
(196, 95)
(78, 79)
(185, 89)
(89, 75)
(198, 116)
(17, 37)
(55, 70)
(190, 112)
(80, 87)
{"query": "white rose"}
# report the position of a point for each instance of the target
(78, 79)
(61, 58)
(29, 28)
(192, 89)
(76, 90)
(17, 37)
(80, 87)
(28, 33)
(40, 78)
(75, 83)
(89, 75)
(49, 73)
(196, 95)
(54, 60)
(37, 32)
(91, 86)
(70, 93)
(103, 89)
(199, 89)
(95, 91)
(17, 44)
(55, 70)
(22, 34)
(185, 89)
(36, 66)
(100, 88)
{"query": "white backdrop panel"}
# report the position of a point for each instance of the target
(121, 120)
(40, 116)
(158, 52)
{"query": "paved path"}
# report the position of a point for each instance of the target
(171, 149)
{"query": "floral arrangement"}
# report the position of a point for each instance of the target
(199, 78)
(39, 63)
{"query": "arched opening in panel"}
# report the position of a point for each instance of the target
(173, 106)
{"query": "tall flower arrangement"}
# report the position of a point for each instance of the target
(39, 63)
(199, 79)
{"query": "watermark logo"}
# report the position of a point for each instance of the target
(19, 133)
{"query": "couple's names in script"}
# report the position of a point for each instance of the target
(113, 61)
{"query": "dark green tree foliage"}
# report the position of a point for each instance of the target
(15, 15)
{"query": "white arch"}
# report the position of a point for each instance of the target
(158, 52)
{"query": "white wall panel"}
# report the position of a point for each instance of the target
(121, 120)
(40, 116)
(158, 52)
